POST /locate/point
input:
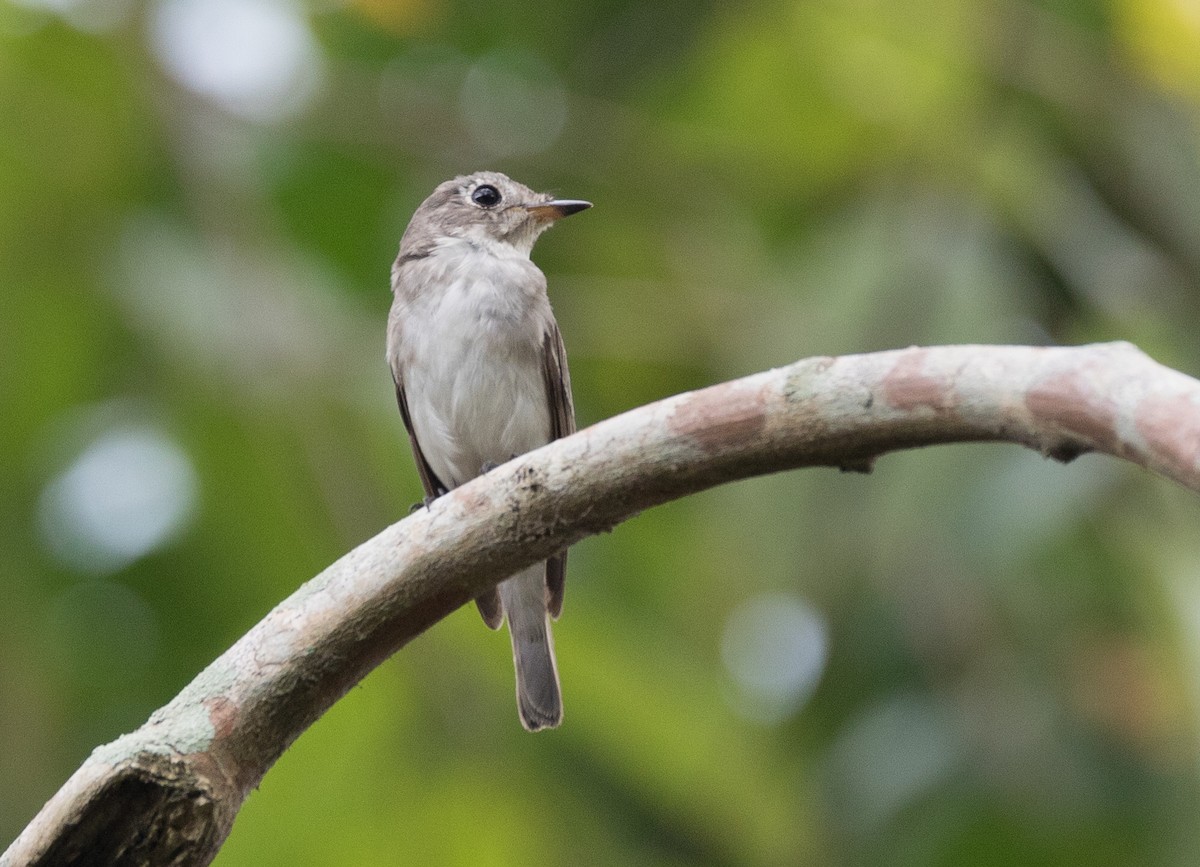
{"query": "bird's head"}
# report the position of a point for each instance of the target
(489, 207)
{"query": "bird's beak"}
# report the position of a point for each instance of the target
(557, 208)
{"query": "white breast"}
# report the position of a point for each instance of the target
(471, 357)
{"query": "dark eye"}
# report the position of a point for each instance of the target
(486, 196)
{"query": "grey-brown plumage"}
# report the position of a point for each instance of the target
(481, 376)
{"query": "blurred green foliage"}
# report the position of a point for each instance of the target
(970, 657)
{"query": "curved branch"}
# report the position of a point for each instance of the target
(168, 792)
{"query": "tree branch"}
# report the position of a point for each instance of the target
(168, 792)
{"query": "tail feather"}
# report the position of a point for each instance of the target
(539, 700)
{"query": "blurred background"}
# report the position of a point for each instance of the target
(972, 656)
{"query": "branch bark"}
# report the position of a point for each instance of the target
(168, 792)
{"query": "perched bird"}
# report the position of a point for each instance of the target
(481, 376)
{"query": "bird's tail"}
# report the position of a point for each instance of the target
(538, 698)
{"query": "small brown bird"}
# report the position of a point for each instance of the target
(481, 376)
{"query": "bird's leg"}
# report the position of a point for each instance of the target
(427, 502)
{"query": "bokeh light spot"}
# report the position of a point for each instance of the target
(99, 628)
(887, 758)
(512, 105)
(255, 58)
(129, 492)
(775, 647)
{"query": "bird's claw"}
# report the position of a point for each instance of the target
(427, 502)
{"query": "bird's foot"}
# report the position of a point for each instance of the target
(427, 502)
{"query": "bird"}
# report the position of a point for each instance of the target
(481, 376)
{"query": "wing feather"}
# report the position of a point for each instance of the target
(562, 423)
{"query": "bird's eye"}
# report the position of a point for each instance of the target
(486, 196)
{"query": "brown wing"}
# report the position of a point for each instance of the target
(429, 480)
(488, 603)
(562, 423)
